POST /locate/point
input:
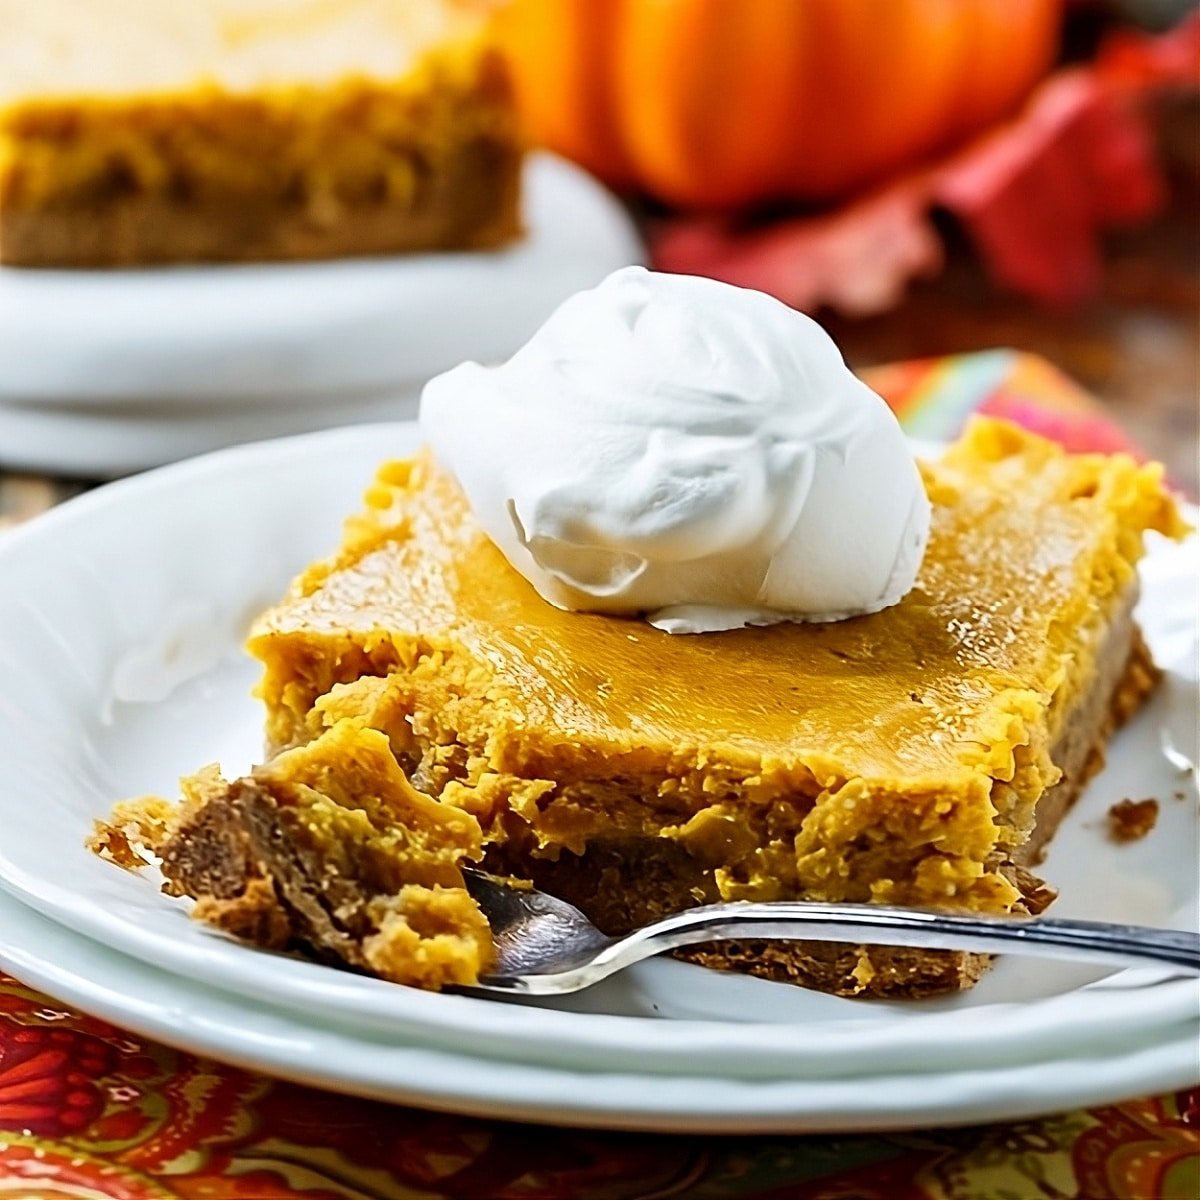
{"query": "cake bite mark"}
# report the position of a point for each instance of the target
(328, 850)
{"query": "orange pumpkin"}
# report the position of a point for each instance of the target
(725, 103)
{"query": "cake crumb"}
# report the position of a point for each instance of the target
(1131, 820)
(864, 970)
(131, 836)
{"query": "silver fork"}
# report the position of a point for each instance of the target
(545, 946)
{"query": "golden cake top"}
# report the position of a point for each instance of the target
(1029, 548)
(116, 48)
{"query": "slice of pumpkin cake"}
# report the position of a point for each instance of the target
(155, 131)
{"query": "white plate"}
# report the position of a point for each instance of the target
(96, 442)
(105, 372)
(121, 617)
(194, 1017)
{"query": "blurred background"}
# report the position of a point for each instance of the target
(926, 177)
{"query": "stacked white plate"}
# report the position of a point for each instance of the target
(121, 621)
(106, 372)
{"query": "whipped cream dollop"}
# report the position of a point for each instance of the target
(681, 448)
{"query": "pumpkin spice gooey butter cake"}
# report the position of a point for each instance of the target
(900, 676)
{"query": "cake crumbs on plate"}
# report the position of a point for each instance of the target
(134, 831)
(1131, 820)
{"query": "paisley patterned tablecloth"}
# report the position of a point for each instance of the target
(89, 1112)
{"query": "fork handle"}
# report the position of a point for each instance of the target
(870, 924)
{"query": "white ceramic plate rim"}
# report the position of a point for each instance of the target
(1056, 1026)
(205, 1021)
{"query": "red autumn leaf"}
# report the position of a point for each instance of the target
(856, 259)
(1034, 195)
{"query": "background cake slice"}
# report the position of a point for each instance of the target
(145, 131)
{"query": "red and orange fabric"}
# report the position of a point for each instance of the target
(88, 1112)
